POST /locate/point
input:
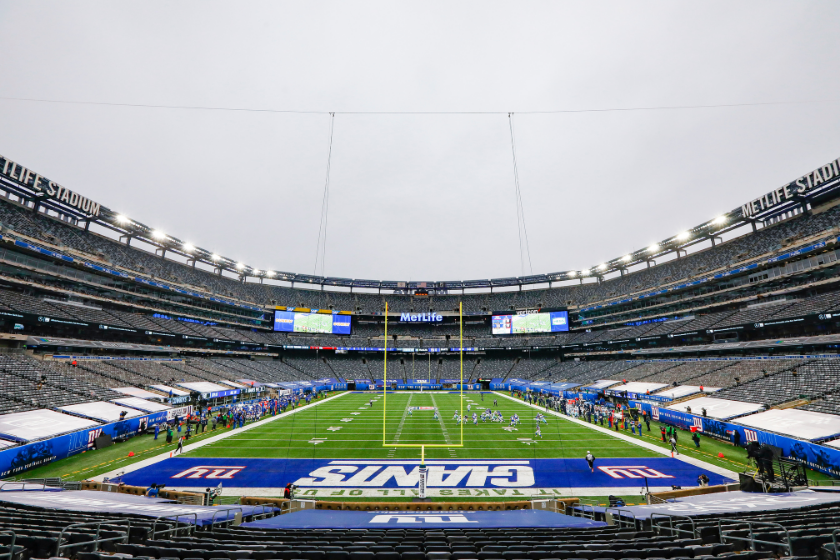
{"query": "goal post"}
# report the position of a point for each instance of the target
(422, 446)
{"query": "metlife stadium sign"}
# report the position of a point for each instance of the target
(29, 178)
(793, 190)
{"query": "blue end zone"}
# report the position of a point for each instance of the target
(451, 474)
(315, 519)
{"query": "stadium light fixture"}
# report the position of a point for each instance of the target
(683, 236)
(240, 265)
(270, 273)
(215, 257)
(602, 266)
(626, 258)
(122, 219)
(257, 272)
(584, 273)
(188, 247)
(157, 234)
(653, 248)
(720, 220)
(571, 273)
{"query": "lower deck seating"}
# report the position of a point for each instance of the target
(808, 531)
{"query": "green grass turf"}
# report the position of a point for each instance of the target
(361, 438)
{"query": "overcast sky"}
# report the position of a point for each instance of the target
(421, 197)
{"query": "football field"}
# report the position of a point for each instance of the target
(333, 449)
(350, 428)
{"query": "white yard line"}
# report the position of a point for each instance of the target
(224, 435)
(402, 421)
(446, 437)
(630, 439)
(393, 450)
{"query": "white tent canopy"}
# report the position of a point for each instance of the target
(639, 387)
(141, 404)
(41, 424)
(204, 387)
(135, 392)
(167, 389)
(719, 409)
(802, 424)
(602, 384)
(100, 410)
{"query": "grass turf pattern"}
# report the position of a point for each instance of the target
(350, 428)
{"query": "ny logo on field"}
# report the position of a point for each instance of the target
(633, 472)
(421, 518)
(751, 435)
(209, 472)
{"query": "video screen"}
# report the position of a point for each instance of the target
(554, 321)
(290, 321)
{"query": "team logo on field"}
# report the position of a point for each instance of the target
(633, 472)
(226, 473)
(403, 519)
(380, 474)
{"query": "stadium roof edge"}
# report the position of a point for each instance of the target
(819, 184)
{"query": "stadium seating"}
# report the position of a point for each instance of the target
(804, 532)
(51, 232)
(806, 381)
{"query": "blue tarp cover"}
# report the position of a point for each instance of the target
(319, 519)
(111, 502)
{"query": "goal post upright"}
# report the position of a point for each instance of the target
(385, 378)
(461, 356)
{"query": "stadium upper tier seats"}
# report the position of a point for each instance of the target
(59, 234)
(29, 382)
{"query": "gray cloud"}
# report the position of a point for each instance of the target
(422, 197)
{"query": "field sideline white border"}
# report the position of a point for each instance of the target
(632, 439)
(273, 491)
(226, 434)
